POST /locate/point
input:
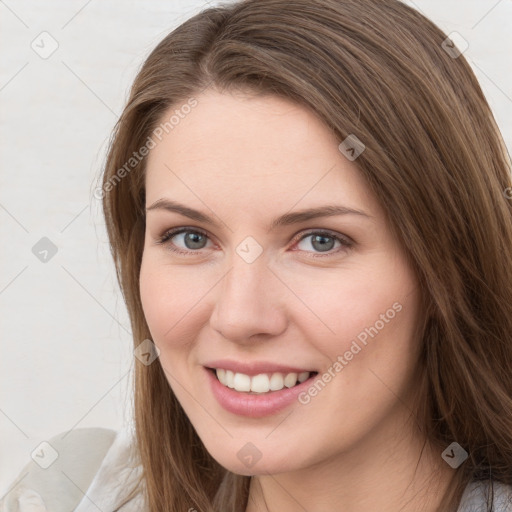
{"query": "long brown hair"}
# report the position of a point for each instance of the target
(434, 158)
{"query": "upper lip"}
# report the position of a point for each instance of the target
(254, 367)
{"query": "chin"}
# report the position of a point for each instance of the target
(249, 461)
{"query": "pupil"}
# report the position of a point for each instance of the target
(323, 244)
(193, 239)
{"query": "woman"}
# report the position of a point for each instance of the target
(308, 205)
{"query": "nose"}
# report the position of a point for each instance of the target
(249, 302)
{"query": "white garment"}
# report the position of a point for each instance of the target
(94, 472)
(114, 481)
(117, 474)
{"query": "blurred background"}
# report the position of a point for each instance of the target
(65, 70)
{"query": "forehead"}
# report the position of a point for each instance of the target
(231, 125)
(236, 147)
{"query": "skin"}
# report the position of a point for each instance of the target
(245, 160)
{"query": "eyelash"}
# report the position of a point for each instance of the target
(345, 242)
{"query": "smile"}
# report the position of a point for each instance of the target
(257, 395)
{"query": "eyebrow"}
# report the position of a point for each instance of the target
(283, 220)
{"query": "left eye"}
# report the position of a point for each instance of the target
(322, 242)
(195, 240)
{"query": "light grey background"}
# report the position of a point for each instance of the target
(66, 355)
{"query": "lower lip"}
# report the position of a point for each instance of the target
(258, 405)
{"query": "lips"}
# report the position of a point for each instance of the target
(255, 405)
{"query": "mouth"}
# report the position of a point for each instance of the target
(262, 383)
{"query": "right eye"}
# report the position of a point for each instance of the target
(192, 239)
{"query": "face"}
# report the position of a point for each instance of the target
(248, 284)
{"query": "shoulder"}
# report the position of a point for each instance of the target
(477, 493)
(64, 470)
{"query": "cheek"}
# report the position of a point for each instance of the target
(164, 299)
(174, 300)
(362, 325)
(358, 303)
(155, 298)
(374, 351)
(168, 298)
(369, 369)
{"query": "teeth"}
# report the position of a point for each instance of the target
(303, 376)
(276, 381)
(230, 377)
(242, 382)
(261, 383)
(290, 380)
